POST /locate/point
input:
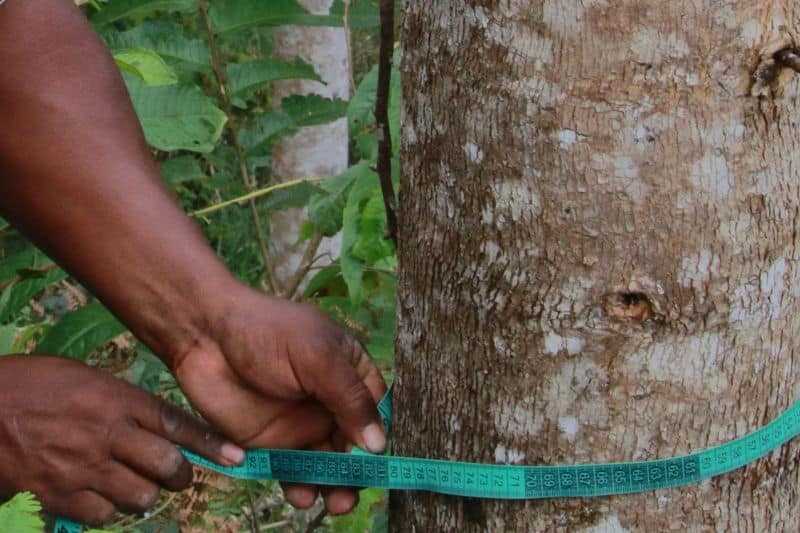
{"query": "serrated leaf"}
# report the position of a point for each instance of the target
(176, 117)
(325, 213)
(265, 128)
(293, 197)
(361, 109)
(181, 169)
(80, 332)
(146, 64)
(20, 514)
(117, 9)
(168, 40)
(325, 208)
(244, 77)
(364, 187)
(313, 109)
(372, 244)
(230, 15)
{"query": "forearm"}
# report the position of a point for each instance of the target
(77, 177)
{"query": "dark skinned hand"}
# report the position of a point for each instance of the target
(87, 443)
(281, 374)
(77, 177)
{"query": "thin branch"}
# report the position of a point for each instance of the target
(348, 41)
(317, 521)
(249, 182)
(251, 196)
(305, 265)
(254, 525)
(382, 117)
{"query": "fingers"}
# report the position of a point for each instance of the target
(179, 427)
(351, 392)
(85, 506)
(300, 496)
(338, 500)
(293, 425)
(126, 489)
(153, 457)
(255, 419)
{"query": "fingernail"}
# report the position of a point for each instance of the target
(374, 438)
(232, 453)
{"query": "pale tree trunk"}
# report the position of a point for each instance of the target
(315, 151)
(598, 252)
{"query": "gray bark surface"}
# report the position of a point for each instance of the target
(599, 252)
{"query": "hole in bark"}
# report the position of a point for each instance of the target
(629, 306)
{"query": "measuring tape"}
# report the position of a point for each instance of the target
(511, 482)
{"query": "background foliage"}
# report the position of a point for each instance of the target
(162, 48)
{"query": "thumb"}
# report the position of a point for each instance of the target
(350, 386)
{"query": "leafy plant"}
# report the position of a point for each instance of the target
(21, 514)
(211, 117)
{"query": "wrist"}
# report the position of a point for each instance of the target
(186, 315)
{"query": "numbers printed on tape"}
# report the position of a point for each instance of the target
(500, 481)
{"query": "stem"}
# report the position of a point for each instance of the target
(382, 117)
(305, 265)
(160, 509)
(349, 44)
(248, 181)
(274, 525)
(252, 195)
(317, 521)
(254, 526)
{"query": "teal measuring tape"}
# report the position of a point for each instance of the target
(360, 469)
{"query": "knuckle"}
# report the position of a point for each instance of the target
(172, 419)
(356, 396)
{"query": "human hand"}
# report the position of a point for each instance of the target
(87, 443)
(274, 373)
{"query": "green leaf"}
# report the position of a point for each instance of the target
(145, 371)
(361, 110)
(313, 109)
(265, 128)
(7, 334)
(361, 518)
(293, 197)
(80, 332)
(20, 514)
(364, 187)
(117, 9)
(146, 64)
(176, 117)
(362, 13)
(24, 275)
(325, 208)
(181, 169)
(167, 40)
(372, 245)
(230, 15)
(244, 77)
(325, 213)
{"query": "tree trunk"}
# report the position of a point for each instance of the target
(315, 151)
(598, 252)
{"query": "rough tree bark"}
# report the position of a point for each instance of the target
(315, 151)
(598, 252)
